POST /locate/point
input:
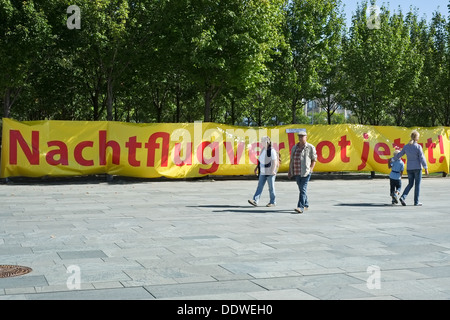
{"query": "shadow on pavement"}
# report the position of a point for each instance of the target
(364, 204)
(241, 209)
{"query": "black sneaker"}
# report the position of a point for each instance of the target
(403, 202)
(394, 200)
(252, 202)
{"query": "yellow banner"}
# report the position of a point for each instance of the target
(179, 150)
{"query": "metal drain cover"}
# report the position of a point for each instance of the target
(7, 271)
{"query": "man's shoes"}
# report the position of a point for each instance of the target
(253, 202)
(403, 202)
(394, 200)
(270, 205)
(418, 204)
(297, 211)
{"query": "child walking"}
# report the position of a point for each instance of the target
(395, 177)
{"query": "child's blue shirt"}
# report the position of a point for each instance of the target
(397, 167)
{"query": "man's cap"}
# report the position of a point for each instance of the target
(302, 132)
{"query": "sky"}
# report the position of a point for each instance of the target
(426, 8)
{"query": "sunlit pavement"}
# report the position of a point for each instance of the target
(201, 240)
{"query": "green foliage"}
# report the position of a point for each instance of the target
(242, 62)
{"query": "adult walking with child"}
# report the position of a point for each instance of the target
(415, 161)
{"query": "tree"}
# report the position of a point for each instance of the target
(97, 52)
(312, 31)
(24, 34)
(438, 70)
(371, 64)
(229, 43)
(330, 67)
(405, 66)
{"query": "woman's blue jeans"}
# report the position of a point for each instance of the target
(261, 182)
(414, 179)
(302, 183)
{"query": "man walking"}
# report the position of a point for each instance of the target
(301, 165)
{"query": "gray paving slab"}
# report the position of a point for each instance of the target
(199, 239)
(135, 293)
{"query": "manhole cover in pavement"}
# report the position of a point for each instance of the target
(7, 271)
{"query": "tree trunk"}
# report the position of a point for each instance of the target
(157, 103)
(109, 101)
(211, 93)
(207, 114)
(178, 105)
(233, 117)
(7, 103)
(294, 110)
(329, 109)
(94, 99)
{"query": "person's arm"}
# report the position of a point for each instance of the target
(313, 158)
(400, 154)
(274, 162)
(291, 163)
(313, 164)
(423, 160)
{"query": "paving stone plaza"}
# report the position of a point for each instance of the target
(201, 240)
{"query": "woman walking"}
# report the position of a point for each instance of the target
(267, 169)
(415, 160)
